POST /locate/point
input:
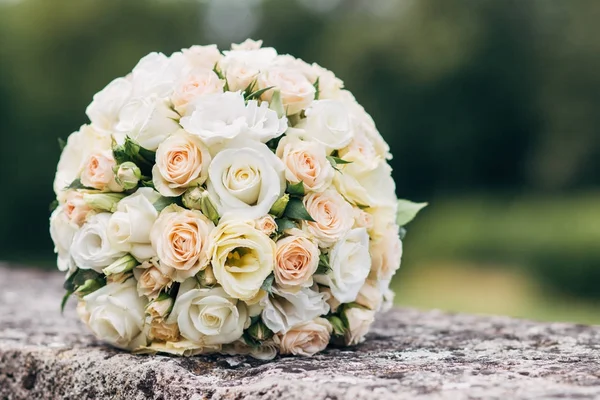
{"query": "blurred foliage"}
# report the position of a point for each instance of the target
(490, 108)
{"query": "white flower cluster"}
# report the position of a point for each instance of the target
(236, 202)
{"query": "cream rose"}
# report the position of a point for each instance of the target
(159, 308)
(327, 123)
(332, 215)
(359, 321)
(208, 316)
(285, 309)
(196, 83)
(129, 227)
(305, 162)
(76, 209)
(181, 162)
(91, 248)
(202, 56)
(350, 263)
(297, 93)
(305, 339)
(80, 145)
(374, 188)
(117, 315)
(266, 225)
(148, 121)
(296, 260)
(245, 179)
(181, 238)
(386, 253)
(62, 231)
(150, 280)
(98, 172)
(242, 257)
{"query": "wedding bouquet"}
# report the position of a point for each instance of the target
(236, 202)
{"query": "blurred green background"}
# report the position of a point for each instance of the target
(491, 109)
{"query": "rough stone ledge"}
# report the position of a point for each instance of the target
(409, 355)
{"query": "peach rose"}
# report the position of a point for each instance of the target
(305, 162)
(180, 237)
(194, 84)
(359, 321)
(370, 296)
(296, 90)
(98, 172)
(362, 219)
(76, 209)
(151, 280)
(296, 260)
(305, 339)
(162, 331)
(266, 225)
(181, 161)
(332, 215)
(386, 254)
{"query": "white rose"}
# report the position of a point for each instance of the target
(196, 83)
(363, 124)
(305, 162)
(98, 172)
(181, 161)
(62, 231)
(285, 309)
(329, 84)
(215, 118)
(154, 75)
(117, 315)
(245, 179)
(327, 122)
(370, 296)
(296, 261)
(80, 145)
(374, 188)
(247, 44)
(241, 67)
(91, 248)
(305, 339)
(263, 123)
(181, 239)
(350, 263)
(242, 258)
(297, 93)
(208, 316)
(386, 253)
(106, 105)
(359, 321)
(202, 56)
(129, 227)
(147, 121)
(332, 216)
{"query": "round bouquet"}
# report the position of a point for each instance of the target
(236, 202)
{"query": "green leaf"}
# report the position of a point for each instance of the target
(267, 284)
(62, 143)
(258, 93)
(295, 189)
(250, 341)
(339, 328)
(164, 202)
(273, 143)
(284, 223)
(276, 104)
(63, 303)
(317, 91)
(407, 210)
(76, 184)
(147, 183)
(335, 161)
(324, 267)
(249, 88)
(148, 155)
(221, 76)
(296, 210)
(54, 205)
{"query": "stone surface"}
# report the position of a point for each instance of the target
(409, 355)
